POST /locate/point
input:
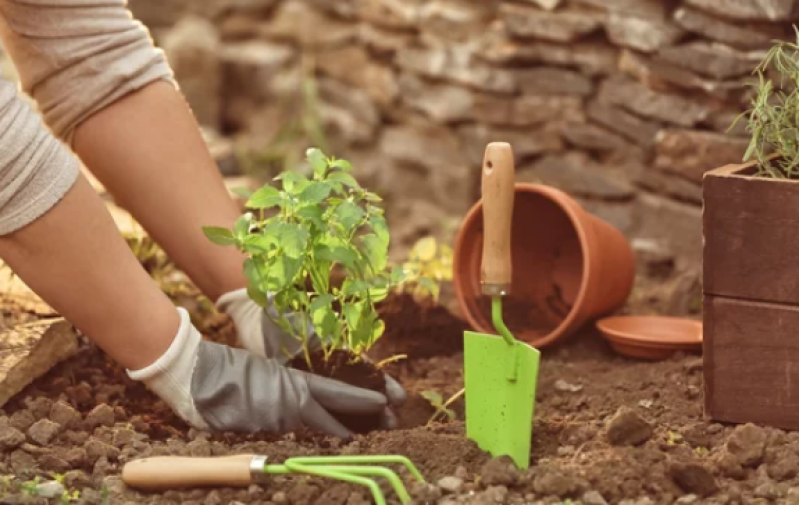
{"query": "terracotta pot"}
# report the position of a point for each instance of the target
(569, 267)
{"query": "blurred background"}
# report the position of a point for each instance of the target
(622, 103)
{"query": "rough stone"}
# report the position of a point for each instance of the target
(441, 102)
(592, 137)
(499, 472)
(589, 57)
(193, 50)
(784, 467)
(622, 122)
(628, 428)
(714, 60)
(383, 41)
(350, 112)
(101, 415)
(640, 100)
(457, 64)
(376, 79)
(642, 34)
(10, 438)
(527, 110)
(554, 81)
(560, 26)
(299, 22)
(648, 9)
(65, 415)
(450, 484)
(670, 185)
(691, 153)
(593, 498)
(389, 13)
(747, 444)
(96, 449)
(577, 175)
(664, 220)
(550, 481)
(693, 478)
(549, 5)
(747, 10)
(741, 35)
(456, 20)
(253, 74)
(43, 431)
(526, 142)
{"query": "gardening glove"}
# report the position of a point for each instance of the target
(261, 336)
(216, 387)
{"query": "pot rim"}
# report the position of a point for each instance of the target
(561, 199)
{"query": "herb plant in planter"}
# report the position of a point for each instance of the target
(750, 268)
(295, 238)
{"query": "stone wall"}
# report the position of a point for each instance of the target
(622, 103)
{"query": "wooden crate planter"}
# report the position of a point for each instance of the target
(751, 297)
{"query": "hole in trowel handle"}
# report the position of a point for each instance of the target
(489, 167)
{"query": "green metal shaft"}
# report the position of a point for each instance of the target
(499, 324)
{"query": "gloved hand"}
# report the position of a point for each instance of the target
(258, 334)
(217, 387)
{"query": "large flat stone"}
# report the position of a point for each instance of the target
(673, 186)
(738, 34)
(348, 114)
(442, 102)
(691, 153)
(31, 350)
(527, 110)
(649, 9)
(591, 58)
(640, 33)
(456, 64)
(456, 20)
(616, 119)
(377, 79)
(749, 10)
(645, 102)
(577, 175)
(560, 26)
(389, 13)
(713, 60)
(526, 142)
(677, 224)
(299, 22)
(592, 137)
(555, 81)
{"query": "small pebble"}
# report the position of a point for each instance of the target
(628, 428)
(593, 498)
(450, 484)
(101, 415)
(43, 431)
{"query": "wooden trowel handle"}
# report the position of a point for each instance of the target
(171, 472)
(498, 191)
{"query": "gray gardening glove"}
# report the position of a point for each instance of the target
(257, 333)
(217, 387)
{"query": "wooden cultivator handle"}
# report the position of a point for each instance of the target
(172, 472)
(498, 191)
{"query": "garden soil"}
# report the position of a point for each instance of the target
(607, 430)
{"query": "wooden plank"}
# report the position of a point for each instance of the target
(750, 236)
(29, 351)
(751, 362)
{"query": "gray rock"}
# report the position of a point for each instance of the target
(688, 499)
(101, 415)
(693, 478)
(628, 428)
(554, 81)
(499, 472)
(455, 20)
(576, 174)
(642, 34)
(389, 13)
(10, 438)
(424, 492)
(376, 79)
(555, 482)
(691, 153)
(442, 102)
(526, 143)
(618, 120)
(647, 9)
(560, 26)
(95, 449)
(592, 137)
(299, 22)
(674, 223)
(65, 415)
(670, 185)
(348, 112)
(450, 484)
(382, 41)
(43, 431)
(456, 64)
(714, 60)
(49, 489)
(645, 102)
(749, 10)
(747, 444)
(590, 57)
(735, 34)
(593, 498)
(527, 110)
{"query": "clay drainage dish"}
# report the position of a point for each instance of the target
(651, 337)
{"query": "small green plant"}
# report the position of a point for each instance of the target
(428, 264)
(674, 438)
(442, 407)
(772, 119)
(317, 225)
(30, 487)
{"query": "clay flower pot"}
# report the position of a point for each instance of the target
(569, 267)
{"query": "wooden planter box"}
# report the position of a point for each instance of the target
(751, 297)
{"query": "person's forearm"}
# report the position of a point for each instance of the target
(148, 152)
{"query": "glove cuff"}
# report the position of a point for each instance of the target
(246, 316)
(231, 299)
(170, 375)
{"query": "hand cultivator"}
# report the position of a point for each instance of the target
(169, 472)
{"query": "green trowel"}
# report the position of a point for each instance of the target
(500, 373)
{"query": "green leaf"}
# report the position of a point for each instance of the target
(292, 180)
(293, 239)
(265, 198)
(317, 160)
(219, 235)
(241, 228)
(335, 251)
(344, 179)
(242, 191)
(315, 192)
(257, 244)
(375, 250)
(352, 286)
(371, 197)
(312, 213)
(379, 226)
(324, 318)
(398, 275)
(349, 215)
(342, 165)
(435, 399)
(282, 272)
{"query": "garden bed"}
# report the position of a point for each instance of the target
(605, 426)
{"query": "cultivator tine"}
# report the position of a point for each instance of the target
(353, 469)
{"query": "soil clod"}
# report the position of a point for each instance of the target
(693, 478)
(628, 428)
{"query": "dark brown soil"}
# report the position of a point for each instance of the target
(350, 369)
(521, 313)
(607, 430)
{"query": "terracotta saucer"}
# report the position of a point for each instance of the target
(651, 337)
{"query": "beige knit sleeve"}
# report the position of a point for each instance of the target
(75, 57)
(36, 169)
